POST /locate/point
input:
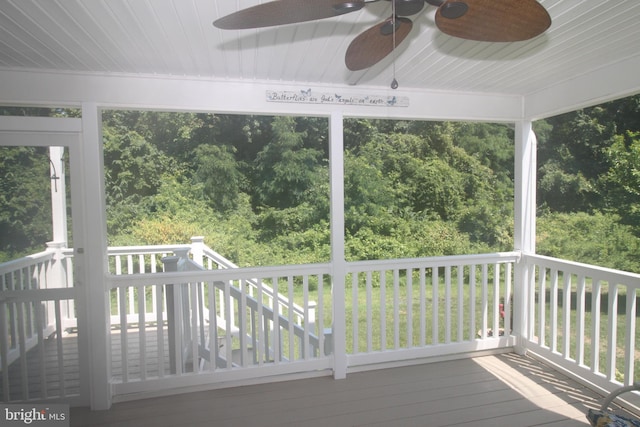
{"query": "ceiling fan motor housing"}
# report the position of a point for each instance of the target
(407, 7)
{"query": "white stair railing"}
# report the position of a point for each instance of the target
(213, 260)
(194, 328)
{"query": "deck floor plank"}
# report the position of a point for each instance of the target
(501, 390)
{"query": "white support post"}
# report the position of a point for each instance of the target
(336, 164)
(525, 226)
(197, 249)
(92, 250)
(58, 194)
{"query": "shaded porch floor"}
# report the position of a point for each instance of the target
(501, 390)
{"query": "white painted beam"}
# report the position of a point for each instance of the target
(94, 256)
(222, 96)
(524, 226)
(338, 262)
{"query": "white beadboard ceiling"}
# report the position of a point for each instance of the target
(177, 38)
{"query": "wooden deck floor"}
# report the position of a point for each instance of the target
(504, 390)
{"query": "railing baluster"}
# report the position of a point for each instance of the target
(202, 310)
(354, 313)
(159, 297)
(460, 333)
(306, 346)
(630, 337)
(435, 303)
(213, 327)
(596, 300)
(496, 300)
(39, 311)
(60, 349)
(142, 337)
(4, 351)
(130, 306)
(244, 354)
(124, 351)
(472, 302)
(320, 316)
(531, 308)
(383, 310)
(485, 300)
(24, 374)
(369, 308)
(447, 304)
(396, 309)
(580, 319)
(409, 322)
(194, 312)
(227, 314)
(566, 312)
(262, 353)
(507, 299)
(277, 342)
(423, 306)
(612, 331)
(542, 285)
(291, 320)
(553, 309)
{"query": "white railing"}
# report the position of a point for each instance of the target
(215, 325)
(126, 308)
(584, 318)
(127, 260)
(413, 308)
(37, 307)
(212, 260)
(230, 297)
(229, 321)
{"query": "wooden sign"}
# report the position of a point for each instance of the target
(309, 97)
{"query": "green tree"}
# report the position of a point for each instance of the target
(596, 238)
(25, 201)
(134, 171)
(285, 169)
(621, 184)
(220, 174)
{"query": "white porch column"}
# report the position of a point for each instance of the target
(525, 226)
(58, 195)
(336, 166)
(95, 258)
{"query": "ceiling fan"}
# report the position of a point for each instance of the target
(480, 20)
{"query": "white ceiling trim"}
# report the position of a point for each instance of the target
(224, 96)
(609, 82)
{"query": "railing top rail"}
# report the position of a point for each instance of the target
(428, 262)
(216, 275)
(139, 250)
(26, 261)
(219, 259)
(39, 295)
(599, 273)
(266, 289)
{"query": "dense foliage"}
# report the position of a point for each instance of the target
(257, 187)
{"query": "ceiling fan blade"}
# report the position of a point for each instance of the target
(282, 12)
(374, 44)
(493, 20)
